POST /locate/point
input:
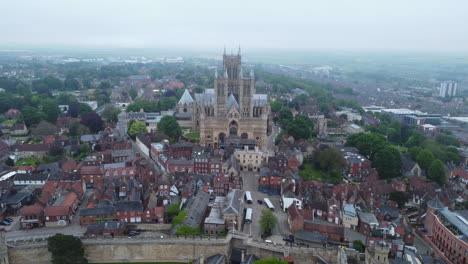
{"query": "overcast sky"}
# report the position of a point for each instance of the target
(423, 25)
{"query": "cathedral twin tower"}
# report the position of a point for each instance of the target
(231, 114)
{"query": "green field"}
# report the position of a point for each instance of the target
(28, 161)
(311, 173)
(193, 135)
(8, 122)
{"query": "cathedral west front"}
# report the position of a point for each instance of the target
(231, 114)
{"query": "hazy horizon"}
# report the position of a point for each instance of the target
(365, 25)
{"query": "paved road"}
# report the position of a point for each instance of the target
(250, 180)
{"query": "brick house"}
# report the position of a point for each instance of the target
(60, 213)
(179, 150)
(115, 170)
(270, 181)
(97, 215)
(333, 232)
(295, 218)
(367, 223)
(30, 150)
(32, 216)
(221, 185)
(129, 211)
(92, 172)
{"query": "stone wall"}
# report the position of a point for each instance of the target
(153, 227)
(169, 249)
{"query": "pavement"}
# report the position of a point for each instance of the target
(250, 180)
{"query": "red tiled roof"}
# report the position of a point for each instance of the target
(31, 210)
(69, 200)
(460, 173)
(57, 211)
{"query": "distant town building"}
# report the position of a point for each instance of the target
(448, 89)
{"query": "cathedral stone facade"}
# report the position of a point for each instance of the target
(231, 114)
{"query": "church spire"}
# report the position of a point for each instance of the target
(216, 73)
(239, 51)
(224, 52)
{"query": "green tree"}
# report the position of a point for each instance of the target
(414, 152)
(416, 139)
(425, 159)
(51, 110)
(358, 245)
(179, 218)
(10, 162)
(268, 221)
(436, 172)
(368, 144)
(173, 209)
(169, 126)
(276, 105)
(110, 113)
(388, 162)
(31, 115)
(77, 129)
(300, 128)
(400, 198)
(330, 160)
(133, 93)
(284, 117)
(44, 128)
(270, 261)
(72, 84)
(53, 83)
(22, 89)
(135, 128)
(188, 231)
(66, 249)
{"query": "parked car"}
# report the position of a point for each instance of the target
(259, 201)
(9, 219)
(6, 223)
(288, 239)
(133, 233)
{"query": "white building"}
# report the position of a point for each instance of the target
(288, 198)
(350, 218)
(251, 160)
(448, 89)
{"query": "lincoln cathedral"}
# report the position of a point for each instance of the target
(231, 114)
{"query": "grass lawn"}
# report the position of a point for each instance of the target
(144, 263)
(311, 173)
(28, 161)
(193, 135)
(9, 122)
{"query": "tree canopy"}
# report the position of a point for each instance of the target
(66, 249)
(268, 221)
(93, 121)
(110, 113)
(387, 162)
(135, 128)
(270, 261)
(169, 126)
(330, 160)
(436, 172)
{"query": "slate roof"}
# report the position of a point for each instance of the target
(436, 203)
(388, 210)
(368, 218)
(216, 259)
(233, 202)
(314, 237)
(102, 210)
(232, 102)
(206, 98)
(129, 206)
(31, 176)
(186, 98)
(196, 207)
